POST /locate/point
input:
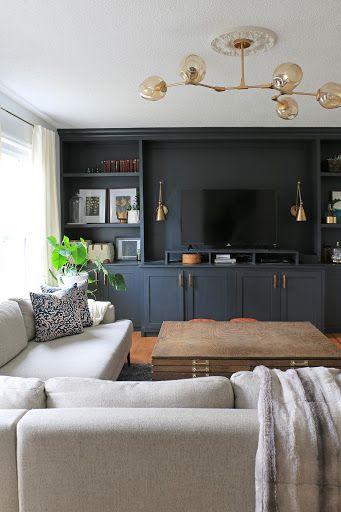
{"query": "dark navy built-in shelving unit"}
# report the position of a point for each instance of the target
(159, 289)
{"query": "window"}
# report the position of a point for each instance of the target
(20, 221)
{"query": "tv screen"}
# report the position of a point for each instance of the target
(242, 218)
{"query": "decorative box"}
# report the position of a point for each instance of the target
(105, 252)
(334, 164)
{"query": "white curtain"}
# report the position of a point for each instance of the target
(46, 210)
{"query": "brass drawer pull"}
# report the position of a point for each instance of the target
(197, 362)
(284, 281)
(275, 281)
(299, 363)
(180, 280)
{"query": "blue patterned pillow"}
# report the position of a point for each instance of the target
(56, 314)
(82, 300)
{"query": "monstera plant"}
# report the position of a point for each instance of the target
(70, 261)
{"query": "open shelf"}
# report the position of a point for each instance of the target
(99, 174)
(101, 225)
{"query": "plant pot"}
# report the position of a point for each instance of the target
(69, 281)
(133, 216)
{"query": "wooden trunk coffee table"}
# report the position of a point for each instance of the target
(186, 349)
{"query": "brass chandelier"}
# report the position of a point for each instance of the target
(242, 42)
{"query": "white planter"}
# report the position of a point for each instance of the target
(69, 281)
(133, 216)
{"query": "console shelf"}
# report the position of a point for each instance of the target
(244, 255)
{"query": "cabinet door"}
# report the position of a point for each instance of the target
(258, 294)
(163, 297)
(206, 294)
(127, 304)
(301, 297)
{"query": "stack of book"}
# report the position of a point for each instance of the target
(131, 165)
(224, 259)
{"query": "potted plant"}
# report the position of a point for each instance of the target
(70, 260)
(331, 214)
(134, 210)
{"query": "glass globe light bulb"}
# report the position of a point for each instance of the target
(287, 108)
(153, 88)
(329, 95)
(192, 69)
(286, 77)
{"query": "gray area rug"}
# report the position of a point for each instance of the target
(136, 372)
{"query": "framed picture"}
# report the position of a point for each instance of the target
(127, 248)
(94, 205)
(119, 199)
(336, 195)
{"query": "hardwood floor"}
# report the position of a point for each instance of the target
(142, 348)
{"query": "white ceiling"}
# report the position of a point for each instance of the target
(80, 61)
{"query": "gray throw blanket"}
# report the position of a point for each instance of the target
(298, 462)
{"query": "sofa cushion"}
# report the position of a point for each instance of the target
(26, 309)
(56, 314)
(13, 337)
(205, 392)
(19, 393)
(8, 467)
(98, 352)
(82, 301)
(246, 390)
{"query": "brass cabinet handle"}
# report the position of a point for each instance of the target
(275, 281)
(284, 281)
(180, 280)
(190, 281)
(299, 363)
(96, 275)
(105, 279)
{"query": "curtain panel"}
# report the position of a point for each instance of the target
(46, 211)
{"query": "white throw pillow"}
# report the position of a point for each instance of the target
(204, 392)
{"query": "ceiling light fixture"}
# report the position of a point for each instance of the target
(242, 42)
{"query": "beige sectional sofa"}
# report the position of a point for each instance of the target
(104, 446)
(99, 352)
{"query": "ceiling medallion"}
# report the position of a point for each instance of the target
(242, 42)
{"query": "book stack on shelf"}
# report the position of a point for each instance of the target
(224, 259)
(131, 165)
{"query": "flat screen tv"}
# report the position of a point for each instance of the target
(241, 218)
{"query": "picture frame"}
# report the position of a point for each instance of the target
(127, 248)
(94, 205)
(336, 194)
(119, 199)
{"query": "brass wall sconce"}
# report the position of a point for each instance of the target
(297, 210)
(161, 210)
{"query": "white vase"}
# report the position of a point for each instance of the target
(133, 216)
(69, 281)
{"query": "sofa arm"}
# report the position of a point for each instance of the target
(8, 466)
(141, 460)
